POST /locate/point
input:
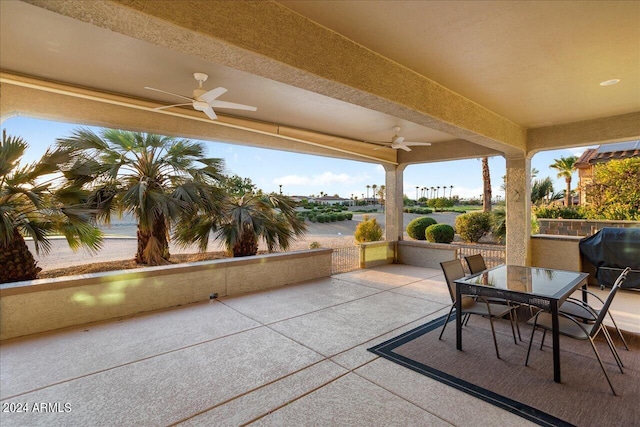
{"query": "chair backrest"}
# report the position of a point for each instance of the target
(475, 263)
(605, 307)
(452, 271)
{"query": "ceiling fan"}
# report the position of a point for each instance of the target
(203, 100)
(398, 142)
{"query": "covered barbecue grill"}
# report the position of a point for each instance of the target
(610, 250)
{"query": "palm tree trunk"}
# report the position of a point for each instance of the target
(17, 261)
(247, 245)
(153, 247)
(486, 185)
(567, 194)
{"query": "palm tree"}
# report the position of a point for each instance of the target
(31, 205)
(499, 225)
(486, 185)
(540, 190)
(534, 173)
(152, 177)
(450, 191)
(382, 193)
(242, 222)
(433, 190)
(565, 167)
(368, 187)
(374, 186)
(438, 192)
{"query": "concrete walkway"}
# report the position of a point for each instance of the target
(289, 357)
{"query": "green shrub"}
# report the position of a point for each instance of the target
(558, 212)
(314, 245)
(349, 215)
(333, 217)
(416, 228)
(439, 233)
(368, 231)
(322, 218)
(341, 216)
(473, 226)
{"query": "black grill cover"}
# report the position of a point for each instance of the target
(611, 250)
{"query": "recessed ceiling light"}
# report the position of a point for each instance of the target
(609, 82)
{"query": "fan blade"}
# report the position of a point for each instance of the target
(397, 139)
(212, 94)
(210, 113)
(401, 146)
(168, 93)
(424, 144)
(172, 105)
(232, 105)
(381, 148)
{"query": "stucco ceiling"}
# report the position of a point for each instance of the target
(534, 63)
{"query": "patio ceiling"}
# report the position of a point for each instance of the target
(470, 77)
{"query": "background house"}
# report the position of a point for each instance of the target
(604, 153)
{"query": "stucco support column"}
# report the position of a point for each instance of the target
(518, 209)
(393, 202)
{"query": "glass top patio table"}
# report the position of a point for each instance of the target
(541, 287)
(531, 282)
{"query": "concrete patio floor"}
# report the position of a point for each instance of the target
(291, 356)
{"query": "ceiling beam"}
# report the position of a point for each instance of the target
(270, 40)
(21, 95)
(587, 132)
(446, 151)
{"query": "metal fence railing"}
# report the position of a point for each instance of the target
(344, 260)
(347, 259)
(493, 254)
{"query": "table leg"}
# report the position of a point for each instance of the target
(458, 318)
(556, 341)
(585, 296)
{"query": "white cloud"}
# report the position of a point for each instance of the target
(294, 180)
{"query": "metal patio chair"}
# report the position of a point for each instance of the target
(574, 328)
(453, 270)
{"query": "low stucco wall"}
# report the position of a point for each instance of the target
(424, 254)
(42, 305)
(579, 227)
(560, 252)
(375, 254)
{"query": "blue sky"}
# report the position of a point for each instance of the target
(309, 175)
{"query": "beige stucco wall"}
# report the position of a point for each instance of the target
(559, 252)
(43, 305)
(375, 254)
(424, 254)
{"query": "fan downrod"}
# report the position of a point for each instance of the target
(200, 77)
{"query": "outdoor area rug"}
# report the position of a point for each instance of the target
(582, 399)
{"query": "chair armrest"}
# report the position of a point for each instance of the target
(584, 291)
